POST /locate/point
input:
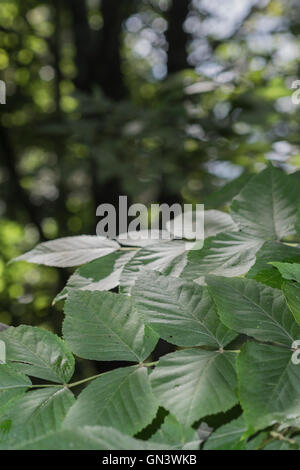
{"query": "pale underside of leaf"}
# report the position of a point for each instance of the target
(98, 275)
(70, 251)
(166, 257)
(214, 222)
(228, 254)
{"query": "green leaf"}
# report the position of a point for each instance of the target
(104, 326)
(70, 251)
(122, 399)
(13, 385)
(279, 445)
(12, 380)
(176, 435)
(194, 383)
(36, 414)
(290, 271)
(225, 195)
(269, 384)
(9, 397)
(88, 438)
(228, 437)
(291, 291)
(227, 254)
(257, 441)
(166, 257)
(265, 207)
(101, 274)
(263, 271)
(254, 309)
(38, 353)
(181, 312)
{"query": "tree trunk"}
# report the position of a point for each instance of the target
(176, 36)
(82, 39)
(107, 62)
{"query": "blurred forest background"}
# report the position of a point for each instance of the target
(160, 100)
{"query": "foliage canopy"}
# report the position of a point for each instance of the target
(230, 312)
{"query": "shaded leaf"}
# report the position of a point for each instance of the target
(291, 292)
(254, 309)
(290, 271)
(228, 437)
(225, 195)
(121, 398)
(193, 383)
(88, 438)
(38, 353)
(265, 207)
(181, 312)
(12, 380)
(263, 271)
(36, 414)
(104, 326)
(269, 384)
(176, 435)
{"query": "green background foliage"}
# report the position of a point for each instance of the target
(162, 101)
